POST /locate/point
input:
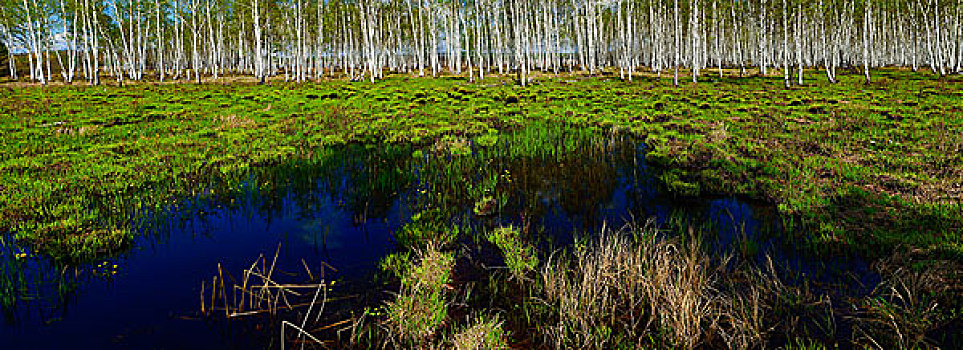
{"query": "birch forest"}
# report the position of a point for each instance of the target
(481, 174)
(299, 40)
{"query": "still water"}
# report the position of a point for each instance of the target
(340, 209)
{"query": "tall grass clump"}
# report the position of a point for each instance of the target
(421, 307)
(638, 288)
(900, 312)
(628, 287)
(426, 230)
(520, 257)
(482, 334)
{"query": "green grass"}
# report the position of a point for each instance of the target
(649, 287)
(421, 306)
(520, 256)
(427, 228)
(857, 167)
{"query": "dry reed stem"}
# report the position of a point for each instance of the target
(258, 293)
(634, 286)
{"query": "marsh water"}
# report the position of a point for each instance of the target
(340, 208)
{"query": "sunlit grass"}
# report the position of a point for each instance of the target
(80, 163)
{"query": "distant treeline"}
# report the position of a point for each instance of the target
(363, 39)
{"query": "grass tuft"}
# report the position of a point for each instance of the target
(901, 312)
(637, 288)
(520, 257)
(482, 334)
(421, 306)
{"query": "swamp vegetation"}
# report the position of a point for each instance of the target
(436, 213)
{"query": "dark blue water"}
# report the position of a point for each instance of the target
(342, 216)
(151, 299)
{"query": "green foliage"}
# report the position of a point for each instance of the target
(805, 344)
(520, 256)
(485, 206)
(421, 306)
(78, 161)
(487, 199)
(426, 228)
(396, 264)
(487, 140)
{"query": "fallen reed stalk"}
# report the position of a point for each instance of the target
(258, 293)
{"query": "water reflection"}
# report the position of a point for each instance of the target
(340, 208)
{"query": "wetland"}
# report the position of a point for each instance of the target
(419, 213)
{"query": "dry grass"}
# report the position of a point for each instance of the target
(719, 133)
(679, 290)
(755, 305)
(233, 121)
(482, 334)
(631, 286)
(634, 288)
(81, 131)
(259, 293)
(901, 311)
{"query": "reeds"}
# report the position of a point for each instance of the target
(631, 287)
(259, 293)
(637, 288)
(11, 272)
(900, 312)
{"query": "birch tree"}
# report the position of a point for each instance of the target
(205, 39)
